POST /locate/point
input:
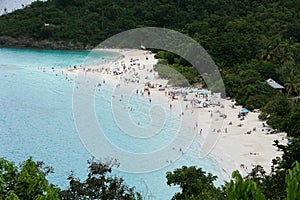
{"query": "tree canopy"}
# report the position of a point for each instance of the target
(195, 184)
(29, 182)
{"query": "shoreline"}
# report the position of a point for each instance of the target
(30, 43)
(237, 147)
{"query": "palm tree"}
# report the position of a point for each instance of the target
(292, 85)
(222, 68)
(280, 51)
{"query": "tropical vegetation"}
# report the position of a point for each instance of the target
(28, 182)
(250, 41)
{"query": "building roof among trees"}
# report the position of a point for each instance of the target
(274, 84)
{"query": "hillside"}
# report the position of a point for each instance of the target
(232, 31)
(251, 41)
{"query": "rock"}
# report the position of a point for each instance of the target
(6, 41)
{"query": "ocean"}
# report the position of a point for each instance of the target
(36, 119)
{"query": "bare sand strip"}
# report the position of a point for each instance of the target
(242, 143)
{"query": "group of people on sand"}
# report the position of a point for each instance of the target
(171, 94)
(129, 74)
(242, 115)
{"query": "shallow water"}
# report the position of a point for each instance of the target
(36, 120)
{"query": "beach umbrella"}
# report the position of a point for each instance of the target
(245, 110)
(202, 92)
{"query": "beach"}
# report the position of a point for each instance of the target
(240, 140)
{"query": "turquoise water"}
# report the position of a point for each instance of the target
(36, 120)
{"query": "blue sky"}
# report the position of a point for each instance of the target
(11, 5)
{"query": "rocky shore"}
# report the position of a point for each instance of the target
(6, 41)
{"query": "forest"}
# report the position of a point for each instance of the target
(250, 42)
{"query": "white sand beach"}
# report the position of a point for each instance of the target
(241, 143)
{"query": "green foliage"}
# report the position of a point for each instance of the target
(257, 101)
(282, 183)
(251, 41)
(231, 34)
(249, 76)
(294, 125)
(291, 153)
(177, 70)
(11, 196)
(270, 185)
(254, 95)
(243, 189)
(27, 183)
(273, 185)
(8, 173)
(263, 116)
(99, 184)
(195, 184)
(266, 69)
(279, 109)
(292, 180)
(31, 181)
(232, 83)
(174, 77)
(245, 80)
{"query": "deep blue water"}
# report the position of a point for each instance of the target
(36, 120)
